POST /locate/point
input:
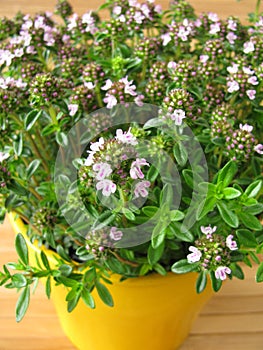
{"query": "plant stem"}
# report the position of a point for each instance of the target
(257, 8)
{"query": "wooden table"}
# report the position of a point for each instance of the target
(232, 320)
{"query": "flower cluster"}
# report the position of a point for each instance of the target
(212, 251)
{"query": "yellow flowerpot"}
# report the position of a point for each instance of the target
(150, 312)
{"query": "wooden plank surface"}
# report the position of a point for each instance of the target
(233, 319)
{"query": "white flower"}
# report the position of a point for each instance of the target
(259, 148)
(166, 38)
(126, 137)
(3, 156)
(246, 127)
(171, 65)
(122, 19)
(204, 58)
(221, 272)
(208, 230)
(248, 47)
(20, 84)
(128, 89)
(73, 108)
(158, 9)
(72, 22)
(232, 86)
(89, 85)
(194, 256)
(89, 160)
(178, 115)
(107, 85)
(213, 17)
(135, 171)
(138, 17)
(18, 52)
(6, 57)
(111, 101)
(214, 28)
(116, 10)
(251, 94)
(103, 170)
(115, 235)
(140, 189)
(248, 71)
(233, 69)
(96, 146)
(232, 245)
(107, 187)
(145, 10)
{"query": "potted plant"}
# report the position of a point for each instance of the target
(131, 164)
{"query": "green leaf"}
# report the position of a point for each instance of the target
(87, 298)
(61, 251)
(158, 237)
(19, 280)
(65, 270)
(21, 248)
(183, 266)
(216, 283)
(228, 215)
(201, 281)
(18, 189)
(104, 294)
(246, 238)
(237, 271)
(73, 302)
(31, 118)
(154, 254)
(128, 214)
(31, 169)
(188, 176)
(48, 287)
(227, 173)
(176, 215)
(253, 189)
(61, 138)
(259, 274)
(180, 153)
(22, 303)
(149, 210)
(254, 209)
(160, 269)
(18, 145)
(205, 207)
(250, 221)
(230, 193)
(44, 260)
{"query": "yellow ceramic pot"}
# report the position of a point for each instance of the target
(150, 313)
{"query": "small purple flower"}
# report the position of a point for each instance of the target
(195, 255)
(232, 245)
(110, 100)
(126, 137)
(107, 187)
(140, 189)
(221, 272)
(231, 37)
(253, 80)
(259, 148)
(166, 38)
(233, 69)
(251, 94)
(178, 115)
(135, 171)
(129, 88)
(232, 86)
(103, 170)
(115, 235)
(214, 28)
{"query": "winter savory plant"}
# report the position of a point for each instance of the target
(131, 145)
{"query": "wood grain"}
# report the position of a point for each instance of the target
(233, 319)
